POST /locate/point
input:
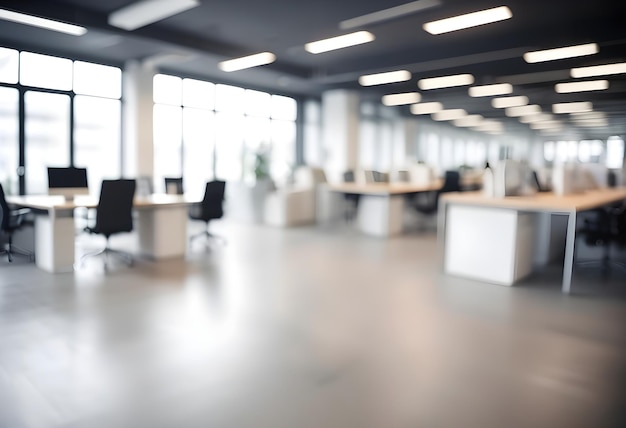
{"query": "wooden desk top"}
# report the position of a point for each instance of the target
(384, 188)
(542, 201)
(59, 203)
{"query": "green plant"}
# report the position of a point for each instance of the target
(261, 164)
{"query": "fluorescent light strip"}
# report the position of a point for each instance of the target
(468, 121)
(572, 107)
(528, 110)
(48, 24)
(552, 124)
(445, 81)
(539, 117)
(401, 99)
(250, 61)
(588, 115)
(145, 12)
(490, 90)
(451, 114)
(598, 70)
(339, 42)
(387, 14)
(473, 19)
(593, 85)
(384, 78)
(509, 102)
(487, 126)
(561, 53)
(426, 108)
(593, 124)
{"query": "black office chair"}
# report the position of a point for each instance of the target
(604, 228)
(11, 221)
(428, 202)
(113, 215)
(211, 208)
(174, 185)
(352, 199)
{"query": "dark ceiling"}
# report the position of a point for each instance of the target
(193, 42)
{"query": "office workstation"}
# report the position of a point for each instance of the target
(360, 264)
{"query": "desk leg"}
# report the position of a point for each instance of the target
(163, 231)
(568, 263)
(442, 212)
(54, 242)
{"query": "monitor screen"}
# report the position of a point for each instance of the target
(67, 181)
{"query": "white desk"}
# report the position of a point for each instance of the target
(381, 205)
(492, 238)
(161, 224)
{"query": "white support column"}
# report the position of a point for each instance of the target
(340, 131)
(138, 122)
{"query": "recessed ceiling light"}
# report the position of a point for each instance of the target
(572, 107)
(489, 125)
(588, 115)
(561, 53)
(426, 108)
(384, 78)
(445, 81)
(523, 110)
(339, 42)
(468, 20)
(490, 90)
(593, 85)
(539, 117)
(48, 24)
(250, 61)
(509, 102)
(145, 12)
(401, 99)
(387, 14)
(548, 124)
(468, 121)
(598, 70)
(451, 114)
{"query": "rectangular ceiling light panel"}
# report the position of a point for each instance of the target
(539, 117)
(387, 14)
(473, 19)
(593, 85)
(451, 114)
(48, 24)
(468, 121)
(507, 102)
(142, 13)
(578, 107)
(401, 99)
(339, 42)
(445, 81)
(384, 78)
(598, 70)
(426, 108)
(528, 110)
(250, 61)
(561, 53)
(490, 90)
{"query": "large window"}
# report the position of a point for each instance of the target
(204, 131)
(53, 89)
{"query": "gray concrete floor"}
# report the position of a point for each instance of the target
(307, 327)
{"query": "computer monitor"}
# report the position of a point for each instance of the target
(67, 181)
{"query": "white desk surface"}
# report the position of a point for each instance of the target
(542, 201)
(384, 188)
(48, 202)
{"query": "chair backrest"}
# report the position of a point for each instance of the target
(174, 185)
(452, 182)
(348, 176)
(4, 211)
(212, 203)
(115, 207)
(144, 186)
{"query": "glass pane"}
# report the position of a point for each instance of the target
(614, 152)
(9, 59)
(459, 153)
(367, 144)
(198, 146)
(432, 150)
(96, 79)
(45, 71)
(584, 151)
(229, 146)
(284, 108)
(47, 134)
(167, 144)
(229, 99)
(283, 155)
(9, 141)
(549, 151)
(257, 136)
(257, 103)
(167, 90)
(97, 144)
(197, 93)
